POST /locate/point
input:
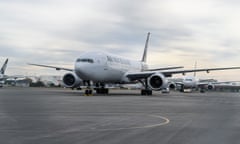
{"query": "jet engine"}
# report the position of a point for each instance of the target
(71, 80)
(157, 81)
(210, 86)
(171, 85)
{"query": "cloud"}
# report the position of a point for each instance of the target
(58, 31)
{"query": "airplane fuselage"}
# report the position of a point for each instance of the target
(104, 67)
(190, 82)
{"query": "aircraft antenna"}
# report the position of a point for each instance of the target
(195, 67)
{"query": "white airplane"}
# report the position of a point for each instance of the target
(225, 86)
(192, 82)
(2, 72)
(186, 82)
(102, 68)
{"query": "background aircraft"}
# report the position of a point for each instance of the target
(2, 73)
(100, 68)
(194, 83)
(232, 86)
(188, 82)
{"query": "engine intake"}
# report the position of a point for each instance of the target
(210, 87)
(172, 86)
(71, 80)
(157, 81)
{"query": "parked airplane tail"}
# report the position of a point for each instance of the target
(195, 67)
(144, 57)
(2, 71)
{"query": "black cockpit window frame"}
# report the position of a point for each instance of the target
(85, 60)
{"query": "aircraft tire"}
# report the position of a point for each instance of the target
(102, 91)
(146, 92)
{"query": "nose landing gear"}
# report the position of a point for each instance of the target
(88, 91)
(100, 88)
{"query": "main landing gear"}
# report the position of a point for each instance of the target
(202, 90)
(102, 91)
(88, 92)
(100, 88)
(146, 91)
(181, 88)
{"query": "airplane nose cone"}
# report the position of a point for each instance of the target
(82, 70)
(79, 67)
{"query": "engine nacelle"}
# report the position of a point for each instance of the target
(210, 86)
(171, 86)
(71, 80)
(157, 81)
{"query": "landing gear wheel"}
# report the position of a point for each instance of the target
(88, 92)
(202, 91)
(102, 91)
(146, 92)
(181, 89)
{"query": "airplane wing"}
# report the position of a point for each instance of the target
(138, 75)
(164, 68)
(224, 82)
(142, 75)
(57, 68)
(170, 73)
(217, 83)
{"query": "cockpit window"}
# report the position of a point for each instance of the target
(85, 60)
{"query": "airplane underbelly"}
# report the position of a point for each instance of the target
(108, 76)
(189, 85)
(101, 75)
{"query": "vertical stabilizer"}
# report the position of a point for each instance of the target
(144, 57)
(2, 71)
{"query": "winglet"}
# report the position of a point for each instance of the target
(2, 71)
(144, 57)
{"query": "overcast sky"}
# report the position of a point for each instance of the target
(56, 32)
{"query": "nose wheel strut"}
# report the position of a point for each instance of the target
(88, 91)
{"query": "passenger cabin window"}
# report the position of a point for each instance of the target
(85, 60)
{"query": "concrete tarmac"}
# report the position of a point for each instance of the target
(59, 116)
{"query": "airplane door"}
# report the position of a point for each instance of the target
(102, 62)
